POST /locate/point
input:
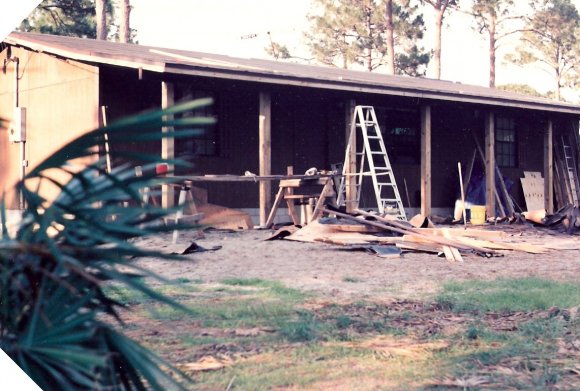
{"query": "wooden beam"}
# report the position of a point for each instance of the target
(265, 153)
(350, 168)
(426, 160)
(549, 168)
(490, 164)
(167, 144)
(495, 193)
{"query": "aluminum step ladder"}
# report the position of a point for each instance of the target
(569, 166)
(371, 160)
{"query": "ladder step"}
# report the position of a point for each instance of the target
(364, 119)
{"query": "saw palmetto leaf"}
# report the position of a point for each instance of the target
(52, 272)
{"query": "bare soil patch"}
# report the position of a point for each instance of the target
(334, 271)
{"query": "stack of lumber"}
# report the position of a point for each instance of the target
(451, 242)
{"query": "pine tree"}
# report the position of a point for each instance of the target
(496, 18)
(550, 40)
(349, 32)
(440, 7)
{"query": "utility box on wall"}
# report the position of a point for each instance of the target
(17, 130)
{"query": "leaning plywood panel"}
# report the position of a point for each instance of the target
(533, 187)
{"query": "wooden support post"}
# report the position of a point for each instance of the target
(265, 154)
(426, 160)
(350, 169)
(167, 144)
(549, 168)
(490, 164)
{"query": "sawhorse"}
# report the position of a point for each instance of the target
(286, 192)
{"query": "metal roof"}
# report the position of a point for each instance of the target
(278, 72)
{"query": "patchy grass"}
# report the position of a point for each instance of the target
(523, 294)
(324, 367)
(485, 335)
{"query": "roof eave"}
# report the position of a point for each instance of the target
(346, 85)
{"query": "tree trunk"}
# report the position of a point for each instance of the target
(437, 50)
(101, 16)
(390, 38)
(492, 26)
(370, 43)
(125, 26)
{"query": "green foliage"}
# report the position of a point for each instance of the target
(56, 320)
(550, 41)
(75, 18)
(525, 294)
(524, 89)
(348, 32)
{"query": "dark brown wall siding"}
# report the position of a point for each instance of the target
(308, 130)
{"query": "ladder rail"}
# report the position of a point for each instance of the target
(571, 172)
(365, 121)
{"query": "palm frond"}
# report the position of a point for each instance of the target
(53, 271)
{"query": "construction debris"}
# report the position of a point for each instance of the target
(386, 236)
(566, 219)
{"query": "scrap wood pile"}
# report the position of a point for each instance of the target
(567, 219)
(365, 228)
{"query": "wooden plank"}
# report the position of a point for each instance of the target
(326, 191)
(402, 228)
(469, 171)
(422, 244)
(549, 168)
(265, 153)
(428, 248)
(490, 189)
(469, 232)
(455, 255)
(251, 178)
(290, 206)
(449, 253)
(524, 247)
(495, 193)
(342, 238)
(167, 143)
(426, 160)
(272, 215)
(350, 164)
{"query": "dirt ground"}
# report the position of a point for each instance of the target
(341, 272)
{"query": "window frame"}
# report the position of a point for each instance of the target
(506, 142)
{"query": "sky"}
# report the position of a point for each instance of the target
(240, 28)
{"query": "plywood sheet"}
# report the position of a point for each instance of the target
(533, 187)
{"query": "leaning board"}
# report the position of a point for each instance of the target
(533, 186)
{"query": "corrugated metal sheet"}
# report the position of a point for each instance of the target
(277, 72)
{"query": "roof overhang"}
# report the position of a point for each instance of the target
(171, 61)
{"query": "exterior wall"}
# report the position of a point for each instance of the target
(309, 130)
(60, 98)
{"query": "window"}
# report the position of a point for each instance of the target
(207, 142)
(505, 142)
(405, 144)
(401, 134)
